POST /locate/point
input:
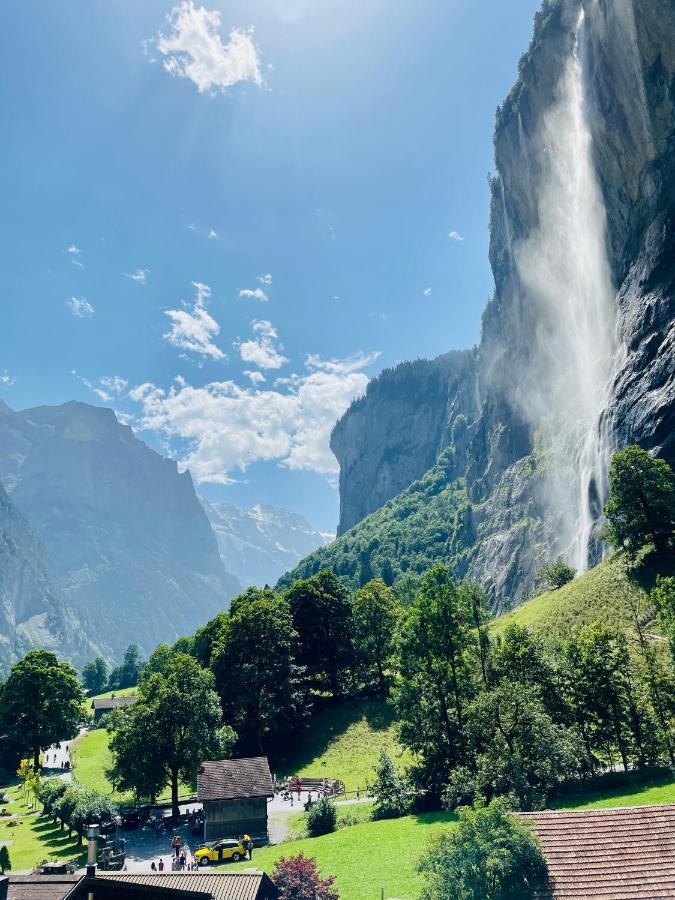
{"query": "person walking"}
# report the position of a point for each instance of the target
(175, 843)
(161, 864)
(249, 846)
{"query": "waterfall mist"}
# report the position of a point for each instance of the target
(565, 274)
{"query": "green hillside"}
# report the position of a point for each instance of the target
(344, 741)
(612, 592)
(423, 524)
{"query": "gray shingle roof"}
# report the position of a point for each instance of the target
(113, 702)
(235, 779)
(623, 854)
(216, 885)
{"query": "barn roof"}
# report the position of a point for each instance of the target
(626, 853)
(113, 702)
(212, 885)
(41, 887)
(235, 779)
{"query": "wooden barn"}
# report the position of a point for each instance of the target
(234, 793)
(107, 704)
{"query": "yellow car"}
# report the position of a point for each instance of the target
(220, 852)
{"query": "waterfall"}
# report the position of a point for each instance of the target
(565, 273)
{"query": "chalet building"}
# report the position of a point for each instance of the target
(106, 704)
(234, 793)
(626, 853)
(141, 886)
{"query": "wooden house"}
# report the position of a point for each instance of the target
(140, 886)
(105, 705)
(234, 793)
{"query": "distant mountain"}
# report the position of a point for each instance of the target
(32, 611)
(131, 549)
(259, 544)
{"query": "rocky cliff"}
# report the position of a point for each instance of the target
(577, 352)
(130, 546)
(32, 612)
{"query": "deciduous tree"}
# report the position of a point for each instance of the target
(179, 718)
(375, 617)
(641, 505)
(490, 856)
(40, 704)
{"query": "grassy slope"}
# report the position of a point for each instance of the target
(375, 855)
(366, 858)
(36, 838)
(608, 593)
(344, 741)
(91, 758)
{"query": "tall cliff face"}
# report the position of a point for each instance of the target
(131, 548)
(32, 611)
(395, 432)
(577, 353)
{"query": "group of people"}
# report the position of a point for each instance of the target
(181, 858)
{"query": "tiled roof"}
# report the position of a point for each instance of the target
(232, 779)
(41, 887)
(113, 702)
(622, 854)
(215, 885)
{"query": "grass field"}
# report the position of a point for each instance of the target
(35, 838)
(608, 593)
(366, 858)
(91, 759)
(344, 741)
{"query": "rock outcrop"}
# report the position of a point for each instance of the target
(130, 546)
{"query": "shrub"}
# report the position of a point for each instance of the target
(391, 790)
(321, 818)
(297, 878)
(491, 856)
(554, 575)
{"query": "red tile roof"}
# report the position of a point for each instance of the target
(235, 779)
(622, 854)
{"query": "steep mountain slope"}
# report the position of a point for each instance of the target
(258, 545)
(614, 592)
(32, 612)
(130, 545)
(577, 352)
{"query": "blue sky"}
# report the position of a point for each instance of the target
(221, 220)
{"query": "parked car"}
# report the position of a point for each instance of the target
(222, 851)
(131, 820)
(108, 827)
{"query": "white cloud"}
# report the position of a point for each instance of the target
(254, 294)
(341, 366)
(115, 384)
(229, 427)
(107, 388)
(80, 308)
(427, 292)
(192, 328)
(73, 250)
(455, 236)
(265, 279)
(261, 351)
(255, 377)
(139, 275)
(194, 49)
(212, 234)
(7, 379)
(192, 227)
